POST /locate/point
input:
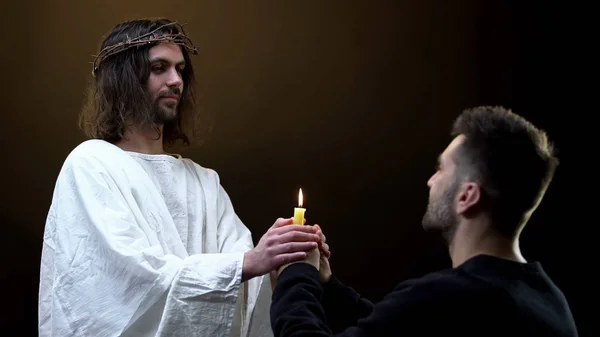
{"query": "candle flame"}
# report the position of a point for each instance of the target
(300, 198)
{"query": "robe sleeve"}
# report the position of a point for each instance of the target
(104, 274)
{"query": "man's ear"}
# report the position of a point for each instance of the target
(468, 195)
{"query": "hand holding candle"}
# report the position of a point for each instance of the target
(299, 220)
(299, 211)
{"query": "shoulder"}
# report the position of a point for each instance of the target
(205, 174)
(90, 165)
(91, 145)
(95, 158)
(436, 295)
(94, 151)
(445, 285)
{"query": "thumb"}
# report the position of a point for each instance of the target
(282, 222)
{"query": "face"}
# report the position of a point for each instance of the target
(443, 187)
(165, 83)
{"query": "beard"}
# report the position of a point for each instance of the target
(440, 216)
(166, 111)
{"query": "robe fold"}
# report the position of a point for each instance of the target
(145, 245)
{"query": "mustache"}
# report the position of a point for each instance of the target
(171, 92)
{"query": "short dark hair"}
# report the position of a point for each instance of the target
(117, 92)
(512, 161)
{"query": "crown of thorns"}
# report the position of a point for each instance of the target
(152, 37)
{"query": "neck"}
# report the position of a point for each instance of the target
(475, 237)
(142, 140)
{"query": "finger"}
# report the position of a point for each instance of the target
(321, 236)
(289, 258)
(297, 237)
(304, 221)
(322, 245)
(293, 247)
(281, 222)
(320, 232)
(286, 229)
(321, 242)
(325, 249)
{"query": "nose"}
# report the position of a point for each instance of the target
(431, 179)
(175, 79)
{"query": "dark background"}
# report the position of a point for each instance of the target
(350, 100)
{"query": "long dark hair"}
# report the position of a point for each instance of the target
(117, 92)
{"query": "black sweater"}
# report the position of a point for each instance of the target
(485, 296)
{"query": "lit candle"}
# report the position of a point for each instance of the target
(299, 211)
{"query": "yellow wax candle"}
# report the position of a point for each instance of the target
(299, 211)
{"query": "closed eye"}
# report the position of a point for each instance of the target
(158, 68)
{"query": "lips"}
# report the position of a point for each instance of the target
(170, 97)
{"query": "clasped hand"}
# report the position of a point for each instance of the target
(318, 257)
(283, 244)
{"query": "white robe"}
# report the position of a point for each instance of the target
(145, 245)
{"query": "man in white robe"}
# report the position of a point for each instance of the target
(140, 242)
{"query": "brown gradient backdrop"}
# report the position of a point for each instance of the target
(350, 100)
